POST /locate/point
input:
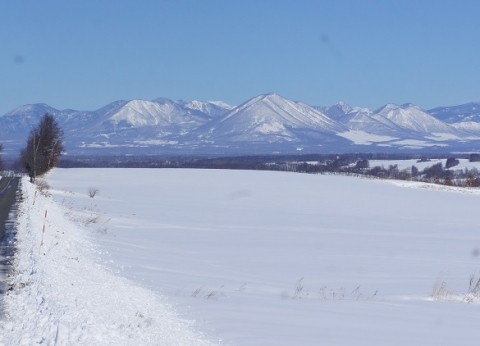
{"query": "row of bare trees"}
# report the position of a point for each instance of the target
(44, 147)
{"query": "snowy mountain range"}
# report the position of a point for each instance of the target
(265, 124)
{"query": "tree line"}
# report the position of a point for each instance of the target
(349, 164)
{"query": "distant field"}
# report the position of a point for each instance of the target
(278, 258)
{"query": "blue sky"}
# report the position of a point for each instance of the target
(85, 54)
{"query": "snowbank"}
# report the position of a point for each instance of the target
(62, 296)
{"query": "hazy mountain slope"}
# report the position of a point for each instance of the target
(363, 119)
(454, 114)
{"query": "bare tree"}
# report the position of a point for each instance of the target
(44, 147)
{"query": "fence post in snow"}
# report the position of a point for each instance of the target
(43, 230)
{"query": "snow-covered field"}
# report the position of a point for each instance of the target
(253, 258)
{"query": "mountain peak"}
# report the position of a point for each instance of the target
(221, 104)
(209, 108)
(164, 100)
(343, 106)
(33, 109)
(387, 107)
(338, 110)
(271, 97)
(411, 106)
(271, 117)
(271, 94)
(393, 106)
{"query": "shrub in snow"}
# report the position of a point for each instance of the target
(42, 186)
(472, 294)
(92, 192)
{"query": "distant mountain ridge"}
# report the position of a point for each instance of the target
(267, 123)
(455, 114)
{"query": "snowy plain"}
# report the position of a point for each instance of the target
(253, 258)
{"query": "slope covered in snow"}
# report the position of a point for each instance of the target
(413, 118)
(382, 128)
(271, 117)
(62, 295)
(164, 112)
(362, 119)
(211, 108)
(469, 127)
(23, 118)
(259, 258)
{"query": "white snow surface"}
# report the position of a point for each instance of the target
(212, 108)
(62, 295)
(411, 117)
(272, 115)
(139, 113)
(364, 138)
(415, 143)
(255, 258)
(470, 126)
